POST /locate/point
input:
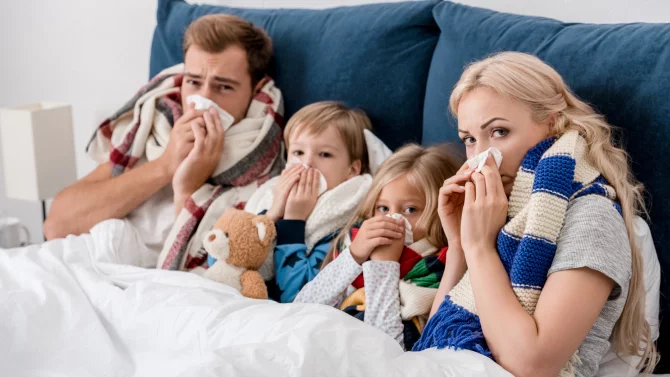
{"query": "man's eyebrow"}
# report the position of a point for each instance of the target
(226, 80)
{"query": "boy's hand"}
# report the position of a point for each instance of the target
(376, 232)
(302, 198)
(288, 179)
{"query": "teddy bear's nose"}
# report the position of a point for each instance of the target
(211, 237)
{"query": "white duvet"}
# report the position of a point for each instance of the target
(80, 307)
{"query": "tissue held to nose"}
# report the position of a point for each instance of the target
(323, 185)
(409, 235)
(202, 103)
(479, 160)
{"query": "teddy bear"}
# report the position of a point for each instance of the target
(237, 246)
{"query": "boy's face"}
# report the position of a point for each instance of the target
(325, 152)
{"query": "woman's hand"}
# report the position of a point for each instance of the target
(375, 232)
(484, 210)
(280, 192)
(450, 205)
(303, 196)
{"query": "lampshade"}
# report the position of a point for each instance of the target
(37, 150)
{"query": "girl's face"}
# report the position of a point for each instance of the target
(398, 196)
(325, 152)
(487, 119)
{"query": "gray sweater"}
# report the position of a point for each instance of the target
(594, 236)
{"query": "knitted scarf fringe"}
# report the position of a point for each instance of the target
(453, 327)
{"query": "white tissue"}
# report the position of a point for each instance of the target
(323, 185)
(202, 103)
(409, 235)
(480, 160)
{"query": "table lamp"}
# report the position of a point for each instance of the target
(37, 151)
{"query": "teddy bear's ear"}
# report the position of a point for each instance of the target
(266, 229)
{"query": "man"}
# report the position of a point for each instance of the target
(226, 59)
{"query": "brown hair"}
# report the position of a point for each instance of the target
(350, 123)
(215, 32)
(426, 169)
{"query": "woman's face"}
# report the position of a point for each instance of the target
(487, 119)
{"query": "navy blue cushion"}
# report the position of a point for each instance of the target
(375, 57)
(623, 70)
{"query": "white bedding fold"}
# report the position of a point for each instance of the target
(80, 307)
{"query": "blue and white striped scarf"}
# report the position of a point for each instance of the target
(552, 174)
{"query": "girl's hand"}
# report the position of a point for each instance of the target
(390, 252)
(484, 210)
(377, 231)
(288, 179)
(450, 205)
(303, 196)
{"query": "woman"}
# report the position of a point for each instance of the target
(543, 291)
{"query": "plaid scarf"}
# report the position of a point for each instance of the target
(551, 175)
(251, 155)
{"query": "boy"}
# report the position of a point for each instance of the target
(324, 138)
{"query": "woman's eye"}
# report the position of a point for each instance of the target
(468, 140)
(382, 209)
(500, 132)
(410, 210)
(192, 82)
(297, 153)
(325, 154)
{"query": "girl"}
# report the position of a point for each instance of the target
(389, 284)
(552, 272)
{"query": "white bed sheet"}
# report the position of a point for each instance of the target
(80, 307)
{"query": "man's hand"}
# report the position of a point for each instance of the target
(201, 161)
(181, 140)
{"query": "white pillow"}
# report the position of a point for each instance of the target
(611, 365)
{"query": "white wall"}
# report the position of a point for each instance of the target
(94, 54)
(91, 54)
(596, 11)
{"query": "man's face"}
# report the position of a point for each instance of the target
(222, 77)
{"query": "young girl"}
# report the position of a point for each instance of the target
(370, 272)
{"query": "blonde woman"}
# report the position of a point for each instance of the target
(541, 270)
(373, 266)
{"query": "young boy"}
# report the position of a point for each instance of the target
(322, 139)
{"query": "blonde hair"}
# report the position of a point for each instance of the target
(216, 32)
(527, 79)
(426, 169)
(350, 123)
